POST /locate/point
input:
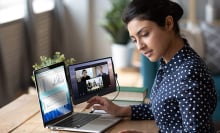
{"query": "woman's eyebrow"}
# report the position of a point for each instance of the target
(139, 31)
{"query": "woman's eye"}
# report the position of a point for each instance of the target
(145, 34)
(133, 40)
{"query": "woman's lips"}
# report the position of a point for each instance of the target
(148, 53)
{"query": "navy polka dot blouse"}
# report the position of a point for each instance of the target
(183, 96)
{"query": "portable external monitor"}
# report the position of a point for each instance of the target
(92, 78)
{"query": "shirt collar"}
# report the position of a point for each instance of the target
(178, 58)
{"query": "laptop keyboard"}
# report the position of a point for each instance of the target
(78, 120)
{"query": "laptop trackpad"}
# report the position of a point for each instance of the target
(102, 122)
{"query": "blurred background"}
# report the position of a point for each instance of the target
(31, 28)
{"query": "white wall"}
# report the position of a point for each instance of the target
(86, 39)
(200, 8)
(101, 40)
(77, 29)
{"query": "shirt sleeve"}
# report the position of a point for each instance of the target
(142, 112)
(197, 102)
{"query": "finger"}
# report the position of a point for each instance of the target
(97, 107)
(92, 101)
(89, 105)
(95, 98)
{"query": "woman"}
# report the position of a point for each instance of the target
(183, 96)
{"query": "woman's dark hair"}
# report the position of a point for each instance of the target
(153, 10)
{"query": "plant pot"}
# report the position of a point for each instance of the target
(122, 55)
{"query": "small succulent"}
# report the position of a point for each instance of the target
(56, 58)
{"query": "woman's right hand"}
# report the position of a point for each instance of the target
(101, 103)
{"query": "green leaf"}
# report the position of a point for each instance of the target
(56, 58)
(113, 22)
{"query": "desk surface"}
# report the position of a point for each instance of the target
(23, 115)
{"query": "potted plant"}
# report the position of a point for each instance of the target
(56, 58)
(113, 23)
(117, 30)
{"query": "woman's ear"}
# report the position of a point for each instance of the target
(169, 23)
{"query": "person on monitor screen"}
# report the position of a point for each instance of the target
(183, 96)
(84, 75)
(83, 88)
(105, 76)
(100, 70)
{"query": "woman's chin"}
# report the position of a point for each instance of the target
(152, 59)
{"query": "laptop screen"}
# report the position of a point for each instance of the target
(92, 78)
(53, 92)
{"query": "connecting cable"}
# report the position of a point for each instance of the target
(118, 86)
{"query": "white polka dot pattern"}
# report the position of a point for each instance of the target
(183, 96)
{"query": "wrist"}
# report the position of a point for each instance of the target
(124, 111)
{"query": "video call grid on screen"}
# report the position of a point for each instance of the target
(92, 78)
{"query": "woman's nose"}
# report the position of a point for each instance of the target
(140, 45)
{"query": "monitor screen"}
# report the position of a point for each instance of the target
(92, 78)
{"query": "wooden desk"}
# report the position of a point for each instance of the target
(23, 115)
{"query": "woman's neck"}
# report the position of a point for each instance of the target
(176, 44)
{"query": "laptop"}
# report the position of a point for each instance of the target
(56, 105)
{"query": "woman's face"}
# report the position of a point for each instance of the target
(151, 40)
